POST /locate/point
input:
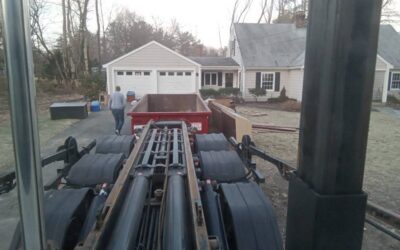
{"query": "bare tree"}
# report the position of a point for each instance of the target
(37, 7)
(244, 10)
(82, 6)
(389, 12)
(266, 11)
(98, 35)
(240, 15)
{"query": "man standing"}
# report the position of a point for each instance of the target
(117, 106)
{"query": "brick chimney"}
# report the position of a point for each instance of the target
(300, 19)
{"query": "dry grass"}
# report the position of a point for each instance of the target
(47, 127)
(382, 171)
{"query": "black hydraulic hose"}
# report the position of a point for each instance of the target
(175, 219)
(125, 233)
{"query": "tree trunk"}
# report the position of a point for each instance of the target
(65, 53)
(98, 36)
(83, 50)
(71, 39)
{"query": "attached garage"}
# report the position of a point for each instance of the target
(151, 69)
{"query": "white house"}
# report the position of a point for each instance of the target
(271, 56)
(154, 68)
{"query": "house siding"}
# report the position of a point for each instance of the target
(152, 56)
(250, 82)
(294, 88)
(378, 85)
(238, 58)
(380, 64)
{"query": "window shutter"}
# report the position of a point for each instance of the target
(390, 80)
(202, 78)
(219, 78)
(277, 81)
(258, 80)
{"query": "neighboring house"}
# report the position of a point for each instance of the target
(271, 56)
(156, 69)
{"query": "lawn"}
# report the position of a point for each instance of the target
(382, 170)
(47, 129)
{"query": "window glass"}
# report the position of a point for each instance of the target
(171, 73)
(146, 73)
(211, 78)
(267, 81)
(128, 73)
(207, 78)
(120, 73)
(188, 73)
(228, 80)
(395, 81)
(214, 78)
(179, 73)
(162, 73)
(138, 73)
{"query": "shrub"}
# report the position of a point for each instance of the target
(393, 99)
(256, 92)
(209, 93)
(229, 91)
(92, 86)
(281, 98)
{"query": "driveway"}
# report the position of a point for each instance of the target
(97, 124)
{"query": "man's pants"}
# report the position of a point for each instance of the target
(119, 118)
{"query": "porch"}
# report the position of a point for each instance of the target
(216, 79)
(218, 72)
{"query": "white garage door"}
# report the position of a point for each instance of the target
(176, 82)
(141, 82)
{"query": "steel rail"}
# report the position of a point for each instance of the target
(17, 38)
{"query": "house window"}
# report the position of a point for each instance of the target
(214, 79)
(179, 73)
(188, 73)
(128, 73)
(146, 73)
(395, 81)
(229, 80)
(210, 78)
(162, 73)
(138, 73)
(267, 81)
(120, 73)
(171, 73)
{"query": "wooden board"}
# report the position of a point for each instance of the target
(226, 121)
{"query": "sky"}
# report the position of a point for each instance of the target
(208, 20)
(204, 18)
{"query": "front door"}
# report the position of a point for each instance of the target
(228, 80)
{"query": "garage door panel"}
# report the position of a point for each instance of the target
(136, 81)
(176, 82)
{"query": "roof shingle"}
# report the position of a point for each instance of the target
(283, 45)
(215, 61)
